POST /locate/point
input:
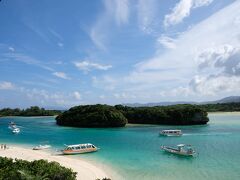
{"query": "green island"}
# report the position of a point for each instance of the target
(32, 111)
(183, 114)
(39, 169)
(92, 116)
(118, 116)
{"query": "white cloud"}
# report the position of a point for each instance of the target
(220, 59)
(115, 10)
(152, 77)
(167, 41)
(58, 62)
(42, 97)
(209, 51)
(179, 12)
(205, 35)
(122, 11)
(61, 75)
(119, 10)
(37, 31)
(6, 85)
(105, 82)
(27, 60)
(39, 83)
(182, 10)
(57, 37)
(200, 3)
(60, 44)
(213, 85)
(102, 96)
(205, 57)
(55, 34)
(98, 37)
(124, 96)
(77, 95)
(11, 49)
(147, 15)
(87, 66)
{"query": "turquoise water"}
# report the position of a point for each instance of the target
(134, 152)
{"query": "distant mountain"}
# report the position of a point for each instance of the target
(230, 99)
(157, 104)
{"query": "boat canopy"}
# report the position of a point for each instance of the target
(180, 145)
(176, 130)
(77, 145)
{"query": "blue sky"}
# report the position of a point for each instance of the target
(64, 53)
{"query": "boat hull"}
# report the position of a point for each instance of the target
(175, 151)
(170, 135)
(41, 147)
(16, 131)
(82, 151)
(175, 132)
(12, 127)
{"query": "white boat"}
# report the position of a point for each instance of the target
(16, 130)
(12, 125)
(41, 147)
(182, 149)
(175, 132)
(79, 148)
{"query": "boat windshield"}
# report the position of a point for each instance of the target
(171, 131)
(80, 147)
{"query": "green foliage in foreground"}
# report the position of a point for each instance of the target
(92, 116)
(36, 170)
(117, 116)
(32, 111)
(223, 107)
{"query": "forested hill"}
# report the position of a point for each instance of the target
(118, 116)
(92, 116)
(221, 107)
(32, 111)
(184, 114)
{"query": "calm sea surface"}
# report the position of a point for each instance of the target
(134, 152)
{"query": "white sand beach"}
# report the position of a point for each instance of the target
(84, 169)
(226, 113)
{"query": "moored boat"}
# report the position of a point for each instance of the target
(182, 149)
(16, 130)
(12, 125)
(79, 148)
(175, 132)
(41, 147)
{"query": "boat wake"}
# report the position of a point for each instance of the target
(21, 127)
(206, 134)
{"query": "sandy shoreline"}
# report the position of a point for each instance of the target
(228, 113)
(85, 170)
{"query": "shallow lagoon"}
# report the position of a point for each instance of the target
(134, 152)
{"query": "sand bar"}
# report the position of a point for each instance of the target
(84, 169)
(226, 113)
